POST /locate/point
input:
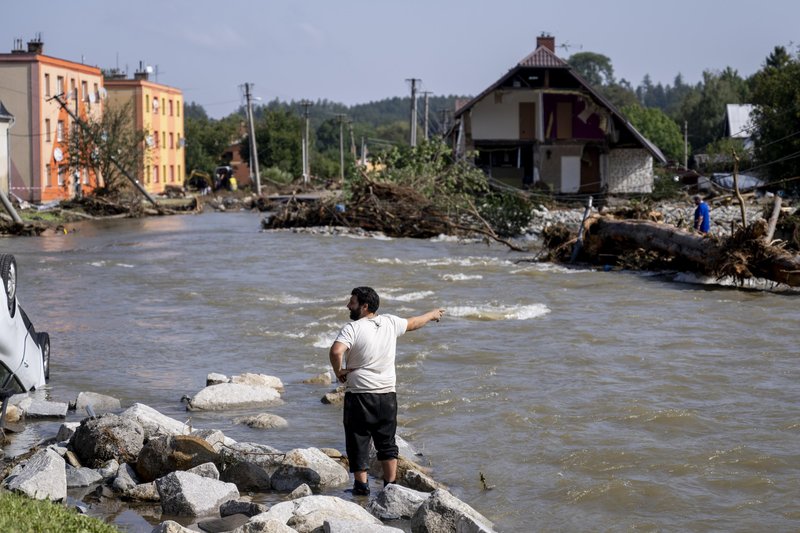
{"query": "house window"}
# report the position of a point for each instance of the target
(147, 175)
(564, 120)
(47, 175)
(47, 84)
(164, 139)
(47, 129)
(147, 101)
(155, 139)
(171, 140)
(164, 172)
(178, 104)
(96, 93)
(163, 106)
(172, 173)
(60, 176)
(170, 108)
(85, 91)
(73, 89)
(60, 85)
(60, 131)
(155, 173)
(155, 105)
(179, 173)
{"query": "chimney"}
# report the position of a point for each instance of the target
(548, 41)
(35, 45)
(143, 73)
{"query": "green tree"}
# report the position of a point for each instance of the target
(278, 140)
(658, 127)
(776, 96)
(207, 139)
(595, 68)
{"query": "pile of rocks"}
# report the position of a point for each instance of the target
(141, 455)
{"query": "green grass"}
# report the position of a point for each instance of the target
(20, 514)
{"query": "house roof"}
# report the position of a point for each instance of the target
(739, 120)
(543, 57)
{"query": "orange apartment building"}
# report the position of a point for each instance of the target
(159, 113)
(39, 162)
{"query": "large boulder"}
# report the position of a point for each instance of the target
(154, 423)
(81, 476)
(233, 396)
(36, 408)
(99, 403)
(162, 455)
(349, 526)
(442, 512)
(258, 380)
(309, 514)
(262, 421)
(310, 466)
(110, 436)
(396, 502)
(42, 477)
(187, 494)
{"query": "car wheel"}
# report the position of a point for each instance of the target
(8, 271)
(44, 344)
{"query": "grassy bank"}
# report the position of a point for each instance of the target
(21, 514)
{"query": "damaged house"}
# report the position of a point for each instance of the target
(541, 124)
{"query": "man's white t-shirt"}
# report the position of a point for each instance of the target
(371, 344)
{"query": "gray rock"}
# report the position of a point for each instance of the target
(34, 408)
(251, 452)
(81, 477)
(108, 469)
(414, 479)
(144, 492)
(154, 423)
(444, 512)
(262, 421)
(396, 502)
(234, 395)
(247, 476)
(310, 466)
(259, 380)
(214, 437)
(348, 526)
(265, 526)
(334, 397)
(100, 403)
(320, 379)
(162, 455)
(66, 431)
(42, 477)
(300, 492)
(187, 494)
(240, 507)
(108, 437)
(170, 526)
(215, 379)
(126, 478)
(208, 470)
(310, 513)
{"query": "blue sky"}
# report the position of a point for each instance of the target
(356, 51)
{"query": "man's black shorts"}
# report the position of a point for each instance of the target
(368, 415)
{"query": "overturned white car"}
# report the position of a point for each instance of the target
(24, 352)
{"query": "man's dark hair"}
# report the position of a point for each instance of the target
(367, 295)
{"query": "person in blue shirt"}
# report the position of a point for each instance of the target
(702, 222)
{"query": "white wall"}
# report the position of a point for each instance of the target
(630, 170)
(4, 161)
(500, 121)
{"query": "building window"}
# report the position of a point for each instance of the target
(85, 91)
(60, 131)
(47, 130)
(147, 101)
(164, 172)
(47, 84)
(155, 173)
(155, 139)
(179, 173)
(155, 105)
(172, 173)
(171, 140)
(96, 93)
(147, 176)
(60, 176)
(178, 103)
(60, 85)
(47, 175)
(73, 89)
(170, 108)
(164, 139)
(178, 140)
(163, 106)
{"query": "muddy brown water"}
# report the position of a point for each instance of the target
(590, 400)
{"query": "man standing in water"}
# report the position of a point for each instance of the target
(367, 346)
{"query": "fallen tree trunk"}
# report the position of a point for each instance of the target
(743, 255)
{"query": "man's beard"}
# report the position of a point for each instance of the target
(355, 314)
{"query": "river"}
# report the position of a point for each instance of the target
(590, 400)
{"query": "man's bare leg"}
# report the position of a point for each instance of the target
(361, 476)
(389, 470)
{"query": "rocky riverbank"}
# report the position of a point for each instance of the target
(201, 480)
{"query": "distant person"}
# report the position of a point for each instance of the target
(702, 222)
(367, 346)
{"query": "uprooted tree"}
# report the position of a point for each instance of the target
(417, 192)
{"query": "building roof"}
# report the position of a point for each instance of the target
(542, 57)
(739, 120)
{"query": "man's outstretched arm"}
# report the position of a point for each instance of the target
(417, 322)
(336, 356)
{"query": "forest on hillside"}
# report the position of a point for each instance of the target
(664, 113)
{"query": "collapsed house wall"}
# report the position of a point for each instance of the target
(630, 170)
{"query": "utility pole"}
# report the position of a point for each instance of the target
(306, 146)
(425, 94)
(413, 139)
(352, 141)
(252, 132)
(685, 145)
(341, 146)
